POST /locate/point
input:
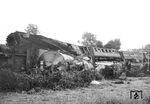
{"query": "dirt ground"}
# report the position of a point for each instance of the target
(107, 92)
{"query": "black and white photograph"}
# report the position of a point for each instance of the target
(74, 51)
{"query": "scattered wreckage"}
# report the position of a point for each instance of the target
(27, 50)
(50, 62)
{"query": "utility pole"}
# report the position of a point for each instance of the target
(148, 59)
(148, 54)
(142, 55)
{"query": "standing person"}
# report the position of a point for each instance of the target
(115, 70)
(129, 65)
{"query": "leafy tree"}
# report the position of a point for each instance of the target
(99, 44)
(115, 44)
(89, 39)
(3, 48)
(32, 29)
(110, 44)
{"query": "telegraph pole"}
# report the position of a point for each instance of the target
(142, 56)
(148, 59)
(148, 52)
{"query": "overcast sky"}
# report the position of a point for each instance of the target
(67, 20)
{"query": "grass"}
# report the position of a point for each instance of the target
(147, 100)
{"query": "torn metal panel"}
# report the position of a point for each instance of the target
(54, 57)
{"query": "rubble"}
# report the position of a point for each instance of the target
(48, 63)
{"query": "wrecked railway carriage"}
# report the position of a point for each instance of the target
(26, 50)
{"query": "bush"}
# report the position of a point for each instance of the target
(7, 80)
(11, 81)
(74, 79)
(108, 72)
(98, 76)
(53, 79)
(56, 80)
(135, 71)
(68, 79)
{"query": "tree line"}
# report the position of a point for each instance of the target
(89, 39)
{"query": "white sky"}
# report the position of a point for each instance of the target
(67, 20)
